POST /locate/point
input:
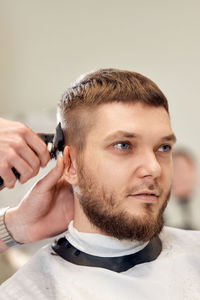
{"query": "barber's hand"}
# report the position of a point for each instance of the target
(22, 149)
(45, 211)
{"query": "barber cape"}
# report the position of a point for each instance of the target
(173, 275)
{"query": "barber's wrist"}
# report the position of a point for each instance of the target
(14, 226)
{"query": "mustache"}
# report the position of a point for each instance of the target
(154, 187)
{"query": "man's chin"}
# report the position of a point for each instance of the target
(145, 211)
(125, 226)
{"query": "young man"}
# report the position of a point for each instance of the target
(118, 160)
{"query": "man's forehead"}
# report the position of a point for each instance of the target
(131, 120)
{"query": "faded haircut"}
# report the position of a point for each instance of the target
(76, 109)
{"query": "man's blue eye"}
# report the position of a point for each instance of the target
(122, 146)
(165, 148)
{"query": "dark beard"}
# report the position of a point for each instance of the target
(102, 211)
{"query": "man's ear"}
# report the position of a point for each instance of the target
(70, 172)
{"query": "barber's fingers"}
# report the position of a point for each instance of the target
(49, 181)
(22, 167)
(23, 159)
(7, 175)
(37, 145)
(30, 158)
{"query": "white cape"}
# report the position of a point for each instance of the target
(174, 275)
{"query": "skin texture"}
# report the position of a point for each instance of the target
(127, 157)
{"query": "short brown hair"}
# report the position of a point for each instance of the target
(103, 86)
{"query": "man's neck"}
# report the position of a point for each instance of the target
(100, 244)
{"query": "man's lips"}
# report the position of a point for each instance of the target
(147, 197)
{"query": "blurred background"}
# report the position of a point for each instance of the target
(45, 45)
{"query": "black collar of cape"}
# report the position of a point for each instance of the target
(117, 264)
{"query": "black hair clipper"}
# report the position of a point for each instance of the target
(54, 142)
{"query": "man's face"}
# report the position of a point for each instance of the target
(126, 169)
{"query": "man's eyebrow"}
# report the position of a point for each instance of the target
(120, 134)
(125, 134)
(169, 138)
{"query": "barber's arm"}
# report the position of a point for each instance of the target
(44, 212)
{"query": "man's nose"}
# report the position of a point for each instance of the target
(148, 165)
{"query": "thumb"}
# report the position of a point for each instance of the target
(49, 180)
